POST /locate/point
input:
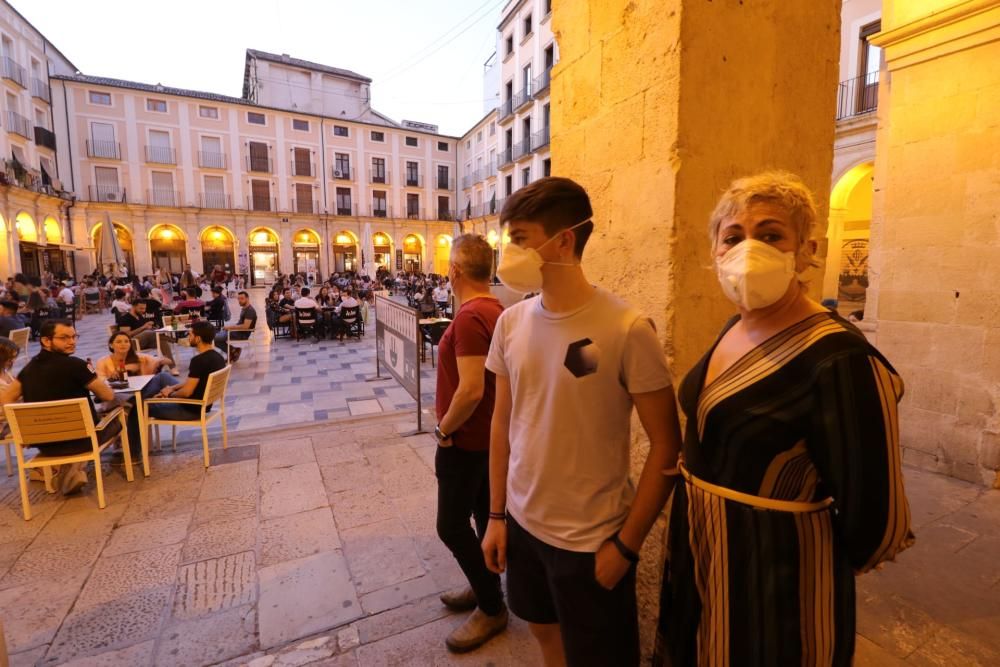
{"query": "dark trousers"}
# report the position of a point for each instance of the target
(464, 493)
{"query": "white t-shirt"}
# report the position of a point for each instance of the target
(305, 302)
(440, 294)
(571, 378)
(66, 296)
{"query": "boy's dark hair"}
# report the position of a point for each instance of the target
(305, 291)
(204, 330)
(243, 293)
(554, 202)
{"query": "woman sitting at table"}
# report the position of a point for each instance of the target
(324, 298)
(124, 354)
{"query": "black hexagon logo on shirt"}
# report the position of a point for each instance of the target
(582, 358)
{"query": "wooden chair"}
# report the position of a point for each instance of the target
(305, 322)
(215, 392)
(92, 302)
(351, 317)
(34, 424)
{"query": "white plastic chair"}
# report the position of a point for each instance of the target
(215, 393)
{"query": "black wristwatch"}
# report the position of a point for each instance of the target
(439, 434)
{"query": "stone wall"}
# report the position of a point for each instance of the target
(936, 230)
(656, 107)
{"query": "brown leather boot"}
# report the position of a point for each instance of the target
(476, 631)
(461, 599)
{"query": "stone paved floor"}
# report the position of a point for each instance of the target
(317, 545)
(286, 382)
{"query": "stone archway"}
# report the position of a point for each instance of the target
(846, 274)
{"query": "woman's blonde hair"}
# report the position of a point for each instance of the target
(777, 187)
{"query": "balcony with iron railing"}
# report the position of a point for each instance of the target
(522, 148)
(214, 200)
(105, 193)
(303, 168)
(468, 180)
(505, 110)
(110, 150)
(261, 203)
(540, 139)
(160, 197)
(211, 160)
(18, 124)
(346, 209)
(414, 213)
(13, 71)
(445, 183)
(161, 155)
(379, 210)
(447, 214)
(414, 180)
(381, 178)
(522, 98)
(259, 164)
(45, 137)
(40, 90)
(489, 171)
(505, 157)
(542, 81)
(857, 96)
(343, 174)
(305, 205)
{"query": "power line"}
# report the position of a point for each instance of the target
(443, 44)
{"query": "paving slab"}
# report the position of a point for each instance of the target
(279, 453)
(130, 574)
(232, 508)
(380, 555)
(33, 612)
(297, 536)
(399, 594)
(209, 586)
(338, 453)
(406, 617)
(231, 480)
(348, 475)
(148, 535)
(304, 596)
(291, 490)
(220, 538)
(137, 654)
(56, 562)
(209, 640)
(361, 506)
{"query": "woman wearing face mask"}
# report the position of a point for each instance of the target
(791, 459)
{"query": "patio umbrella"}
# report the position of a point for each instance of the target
(367, 251)
(110, 255)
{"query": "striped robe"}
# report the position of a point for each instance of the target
(793, 485)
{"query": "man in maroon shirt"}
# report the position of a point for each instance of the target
(465, 393)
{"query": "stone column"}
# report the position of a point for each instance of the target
(933, 290)
(656, 107)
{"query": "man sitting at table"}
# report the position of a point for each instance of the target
(153, 307)
(240, 331)
(188, 302)
(142, 330)
(9, 318)
(348, 300)
(54, 375)
(203, 364)
(215, 309)
(287, 305)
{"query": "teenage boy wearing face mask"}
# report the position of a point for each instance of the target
(566, 522)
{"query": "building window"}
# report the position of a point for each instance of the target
(255, 118)
(412, 205)
(344, 206)
(298, 124)
(341, 165)
(527, 25)
(479, 137)
(159, 106)
(525, 176)
(412, 175)
(443, 146)
(378, 136)
(100, 98)
(548, 7)
(411, 141)
(378, 204)
(340, 131)
(444, 208)
(208, 112)
(468, 144)
(547, 167)
(508, 183)
(493, 129)
(378, 170)
(443, 179)
(509, 45)
(260, 195)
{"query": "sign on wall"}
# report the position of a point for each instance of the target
(399, 259)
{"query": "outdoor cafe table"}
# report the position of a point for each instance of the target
(136, 383)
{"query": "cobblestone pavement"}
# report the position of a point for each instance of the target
(285, 382)
(317, 545)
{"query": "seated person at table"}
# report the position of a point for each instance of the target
(306, 301)
(286, 305)
(119, 305)
(142, 329)
(9, 318)
(53, 375)
(215, 309)
(441, 295)
(203, 364)
(123, 354)
(241, 330)
(154, 308)
(348, 300)
(66, 295)
(188, 302)
(324, 298)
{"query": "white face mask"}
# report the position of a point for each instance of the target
(754, 274)
(521, 268)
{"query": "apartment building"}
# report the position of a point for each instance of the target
(33, 218)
